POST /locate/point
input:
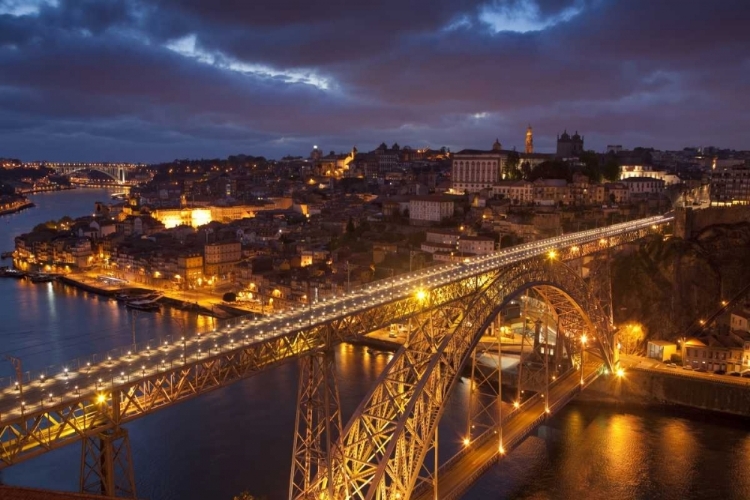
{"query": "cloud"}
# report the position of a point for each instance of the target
(153, 80)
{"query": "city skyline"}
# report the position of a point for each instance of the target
(131, 81)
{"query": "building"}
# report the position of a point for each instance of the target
(740, 322)
(730, 185)
(474, 169)
(639, 185)
(628, 171)
(569, 146)
(529, 141)
(476, 245)
(430, 209)
(189, 269)
(660, 349)
(617, 193)
(728, 352)
(220, 258)
(551, 192)
(518, 192)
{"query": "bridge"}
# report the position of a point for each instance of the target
(117, 171)
(458, 315)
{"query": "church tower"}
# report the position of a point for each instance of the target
(529, 140)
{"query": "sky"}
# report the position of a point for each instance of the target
(155, 80)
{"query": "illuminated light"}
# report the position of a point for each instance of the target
(584, 339)
(466, 441)
(552, 254)
(546, 409)
(421, 295)
(620, 373)
(516, 404)
(501, 450)
(101, 398)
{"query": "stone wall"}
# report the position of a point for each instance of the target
(689, 222)
(649, 387)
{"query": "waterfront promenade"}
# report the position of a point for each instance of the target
(200, 301)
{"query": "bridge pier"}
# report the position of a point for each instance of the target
(317, 426)
(106, 464)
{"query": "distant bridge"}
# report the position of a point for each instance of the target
(117, 171)
(383, 453)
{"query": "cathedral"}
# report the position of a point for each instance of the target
(567, 146)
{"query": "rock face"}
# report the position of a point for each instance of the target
(669, 283)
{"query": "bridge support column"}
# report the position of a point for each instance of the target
(106, 464)
(485, 393)
(317, 425)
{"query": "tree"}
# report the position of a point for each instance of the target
(525, 170)
(610, 169)
(555, 169)
(631, 337)
(510, 169)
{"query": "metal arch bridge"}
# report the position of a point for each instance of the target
(116, 171)
(380, 454)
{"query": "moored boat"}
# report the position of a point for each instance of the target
(142, 305)
(41, 277)
(11, 273)
(147, 303)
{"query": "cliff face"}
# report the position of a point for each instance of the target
(668, 284)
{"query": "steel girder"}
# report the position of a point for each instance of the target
(386, 440)
(317, 425)
(42, 426)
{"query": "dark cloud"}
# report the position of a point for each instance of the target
(152, 80)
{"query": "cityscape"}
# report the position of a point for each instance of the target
(529, 291)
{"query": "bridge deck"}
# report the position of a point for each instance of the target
(459, 473)
(66, 405)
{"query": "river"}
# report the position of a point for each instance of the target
(239, 437)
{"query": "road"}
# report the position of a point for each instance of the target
(455, 477)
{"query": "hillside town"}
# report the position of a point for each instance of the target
(275, 232)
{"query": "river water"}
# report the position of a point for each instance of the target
(240, 437)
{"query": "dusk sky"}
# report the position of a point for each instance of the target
(154, 80)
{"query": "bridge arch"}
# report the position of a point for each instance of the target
(115, 173)
(382, 449)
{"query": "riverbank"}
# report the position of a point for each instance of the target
(652, 389)
(17, 207)
(204, 304)
(50, 189)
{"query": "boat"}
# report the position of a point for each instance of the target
(41, 277)
(149, 303)
(11, 273)
(143, 305)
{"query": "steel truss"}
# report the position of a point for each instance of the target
(385, 442)
(106, 464)
(317, 426)
(450, 308)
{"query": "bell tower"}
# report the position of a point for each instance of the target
(529, 140)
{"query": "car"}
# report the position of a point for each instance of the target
(671, 365)
(701, 370)
(734, 374)
(720, 372)
(746, 374)
(687, 367)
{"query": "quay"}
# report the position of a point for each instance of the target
(202, 303)
(12, 208)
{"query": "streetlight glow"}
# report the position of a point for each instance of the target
(620, 373)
